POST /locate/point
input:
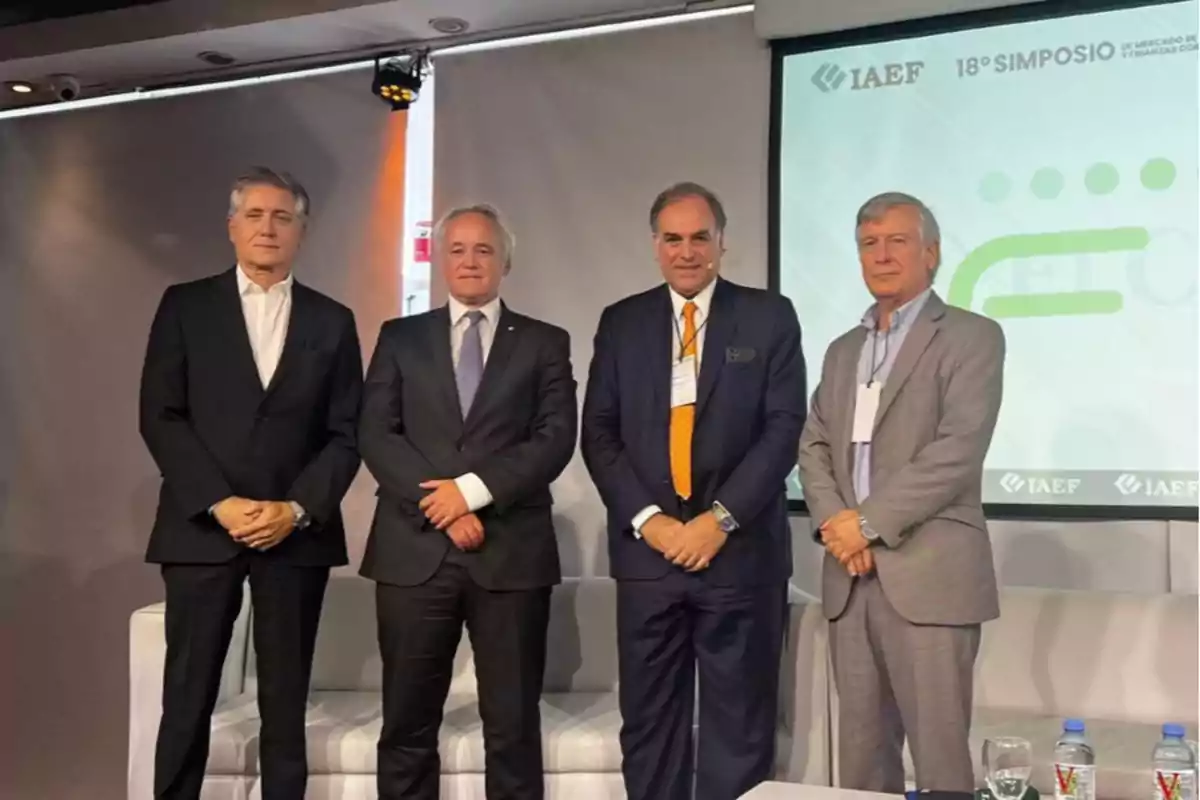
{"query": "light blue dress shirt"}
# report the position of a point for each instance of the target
(874, 364)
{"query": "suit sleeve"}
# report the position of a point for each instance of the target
(396, 464)
(765, 467)
(189, 470)
(954, 459)
(325, 480)
(533, 464)
(816, 456)
(604, 454)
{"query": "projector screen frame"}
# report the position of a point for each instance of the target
(911, 29)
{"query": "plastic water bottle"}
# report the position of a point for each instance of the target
(1174, 766)
(1074, 764)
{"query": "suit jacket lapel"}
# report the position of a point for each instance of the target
(300, 324)
(231, 322)
(442, 362)
(846, 396)
(722, 322)
(656, 343)
(504, 342)
(925, 327)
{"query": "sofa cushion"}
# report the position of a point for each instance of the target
(1122, 750)
(580, 733)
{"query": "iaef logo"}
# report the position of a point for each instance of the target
(829, 77)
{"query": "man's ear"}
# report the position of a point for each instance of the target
(935, 254)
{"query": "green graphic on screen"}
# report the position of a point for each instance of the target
(1060, 158)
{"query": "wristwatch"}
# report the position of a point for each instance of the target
(725, 520)
(868, 532)
(303, 520)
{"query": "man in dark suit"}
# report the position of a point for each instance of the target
(249, 405)
(469, 414)
(694, 407)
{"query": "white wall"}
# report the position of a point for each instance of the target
(573, 139)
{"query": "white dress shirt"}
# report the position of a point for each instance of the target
(267, 313)
(703, 302)
(474, 491)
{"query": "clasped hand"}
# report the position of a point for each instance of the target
(843, 538)
(261, 524)
(446, 508)
(692, 546)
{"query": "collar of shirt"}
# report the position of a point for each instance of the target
(458, 310)
(703, 301)
(903, 315)
(247, 286)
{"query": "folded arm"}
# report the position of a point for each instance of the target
(327, 477)
(946, 466)
(603, 452)
(766, 465)
(510, 475)
(189, 469)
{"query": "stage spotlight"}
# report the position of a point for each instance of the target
(398, 82)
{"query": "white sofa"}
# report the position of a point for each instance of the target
(580, 718)
(1125, 663)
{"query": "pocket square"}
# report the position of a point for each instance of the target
(739, 355)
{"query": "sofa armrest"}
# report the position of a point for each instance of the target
(804, 742)
(147, 653)
(147, 657)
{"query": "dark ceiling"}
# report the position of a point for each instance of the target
(22, 12)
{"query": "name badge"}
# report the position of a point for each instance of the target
(866, 405)
(683, 382)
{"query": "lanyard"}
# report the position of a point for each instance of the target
(679, 335)
(887, 337)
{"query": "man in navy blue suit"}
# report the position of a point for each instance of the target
(691, 424)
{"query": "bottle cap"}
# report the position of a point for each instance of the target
(1073, 726)
(1173, 730)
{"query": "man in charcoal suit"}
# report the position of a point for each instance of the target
(469, 415)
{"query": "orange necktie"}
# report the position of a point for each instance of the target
(683, 418)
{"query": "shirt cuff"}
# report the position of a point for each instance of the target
(474, 491)
(642, 518)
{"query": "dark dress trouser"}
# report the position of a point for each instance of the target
(203, 601)
(419, 632)
(666, 629)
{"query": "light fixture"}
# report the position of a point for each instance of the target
(398, 82)
(449, 25)
(20, 87)
(205, 87)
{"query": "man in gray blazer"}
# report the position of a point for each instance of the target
(891, 461)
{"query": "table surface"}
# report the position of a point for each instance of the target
(774, 790)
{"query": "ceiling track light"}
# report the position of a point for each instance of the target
(397, 79)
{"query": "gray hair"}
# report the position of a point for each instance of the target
(880, 204)
(507, 241)
(684, 190)
(265, 176)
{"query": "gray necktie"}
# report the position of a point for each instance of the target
(469, 372)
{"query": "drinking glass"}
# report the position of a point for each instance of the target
(1007, 762)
